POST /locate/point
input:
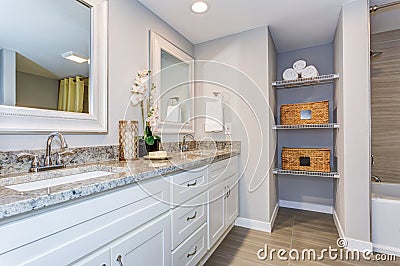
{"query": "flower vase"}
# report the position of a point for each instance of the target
(128, 131)
(154, 147)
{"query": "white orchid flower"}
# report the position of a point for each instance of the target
(134, 100)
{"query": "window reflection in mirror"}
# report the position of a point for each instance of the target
(37, 40)
(175, 74)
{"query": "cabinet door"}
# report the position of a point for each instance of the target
(216, 213)
(232, 200)
(101, 258)
(150, 245)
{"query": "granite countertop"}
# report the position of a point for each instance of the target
(14, 203)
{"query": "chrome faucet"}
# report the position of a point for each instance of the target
(184, 146)
(64, 145)
(47, 163)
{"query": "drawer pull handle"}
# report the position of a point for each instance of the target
(193, 184)
(193, 253)
(229, 192)
(119, 259)
(191, 218)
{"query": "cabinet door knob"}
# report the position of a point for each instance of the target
(191, 254)
(119, 259)
(192, 184)
(191, 218)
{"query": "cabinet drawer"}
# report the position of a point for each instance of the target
(186, 219)
(221, 170)
(186, 185)
(192, 250)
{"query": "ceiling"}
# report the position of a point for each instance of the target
(42, 30)
(294, 24)
(385, 19)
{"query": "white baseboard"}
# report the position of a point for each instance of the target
(358, 244)
(351, 243)
(258, 225)
(338, 224)
(386, 249)
(306, 206)
(253, 224)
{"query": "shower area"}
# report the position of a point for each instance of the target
(385, 125)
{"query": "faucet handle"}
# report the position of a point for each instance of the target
(35, 161)
(59, 160)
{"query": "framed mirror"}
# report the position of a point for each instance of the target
(173, 74)
(53, 66)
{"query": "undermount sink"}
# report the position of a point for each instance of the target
(57, 181)
(197, 154)
(201, 152)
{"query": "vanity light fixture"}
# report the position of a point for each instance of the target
(75, 57)
(199, 7)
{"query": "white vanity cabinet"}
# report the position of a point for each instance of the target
(73, 233)
(223, 199)
(160, 222)
(208, 205)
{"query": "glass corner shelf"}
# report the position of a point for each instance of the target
(281, 84)
(306, 173)
(311, 126)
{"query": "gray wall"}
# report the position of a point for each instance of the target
(303, 189)
(35, 91)
(237, 65)
(129, 23)
(351, 45)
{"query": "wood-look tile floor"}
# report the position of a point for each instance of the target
(293, 229)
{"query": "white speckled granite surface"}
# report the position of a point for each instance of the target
(13, 202)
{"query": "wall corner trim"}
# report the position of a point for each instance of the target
(338, 225)
(306, 206)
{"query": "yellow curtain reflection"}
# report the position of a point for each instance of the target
(71, 94)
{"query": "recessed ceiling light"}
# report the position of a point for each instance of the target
(75, 57)
(199, 7)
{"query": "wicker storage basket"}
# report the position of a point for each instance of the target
(305, 113)
(306, 159)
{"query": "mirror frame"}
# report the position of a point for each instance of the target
(158, 43)
(23, 120)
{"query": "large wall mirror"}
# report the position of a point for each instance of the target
(172, 73)
(53, 66)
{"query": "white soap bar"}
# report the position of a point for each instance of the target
(162, 154)
(157, 154)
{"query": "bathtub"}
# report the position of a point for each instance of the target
(385, 212)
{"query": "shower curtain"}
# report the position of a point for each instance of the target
(71, 94)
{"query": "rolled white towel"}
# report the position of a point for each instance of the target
(299, 65)
(290, 74)
(309, 72)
